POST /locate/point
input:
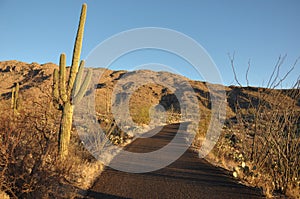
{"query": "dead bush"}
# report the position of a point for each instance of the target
(29, 163)
(268, 119)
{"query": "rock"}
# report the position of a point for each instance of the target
(4, 195)
(235, 174)
(238, 169)
(243, 164)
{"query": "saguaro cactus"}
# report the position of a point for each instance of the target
(15, 101)
(67, 94)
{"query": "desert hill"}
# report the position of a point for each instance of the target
(36, 80)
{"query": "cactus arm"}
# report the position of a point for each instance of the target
(17, 90)
(78, 79)
(77, 49)
(13, 90)
(62, 78)
(55, 90)
(83, 87)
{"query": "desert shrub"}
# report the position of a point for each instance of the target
(28, 151)
(29, 163)
(268, 121)
(141, 116)
(275, 138)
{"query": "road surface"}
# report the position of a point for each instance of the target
(187, 177)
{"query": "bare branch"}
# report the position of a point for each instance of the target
(274, 70)
(286, 74)
(277, 69)
(233, 68)
(248, 68)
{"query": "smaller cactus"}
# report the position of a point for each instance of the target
(15, 101)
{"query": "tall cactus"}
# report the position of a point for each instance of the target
(67, 94)
(15, 101)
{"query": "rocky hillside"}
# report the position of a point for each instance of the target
(36, 82)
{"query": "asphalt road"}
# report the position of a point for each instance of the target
(187, 177)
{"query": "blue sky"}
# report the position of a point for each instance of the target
(260, 30)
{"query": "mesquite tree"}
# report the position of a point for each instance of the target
(67, 93)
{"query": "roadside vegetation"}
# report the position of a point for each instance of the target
(260, 144)
(29, 163)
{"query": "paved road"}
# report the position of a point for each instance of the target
(187, 177)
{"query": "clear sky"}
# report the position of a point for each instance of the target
(260, 30)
